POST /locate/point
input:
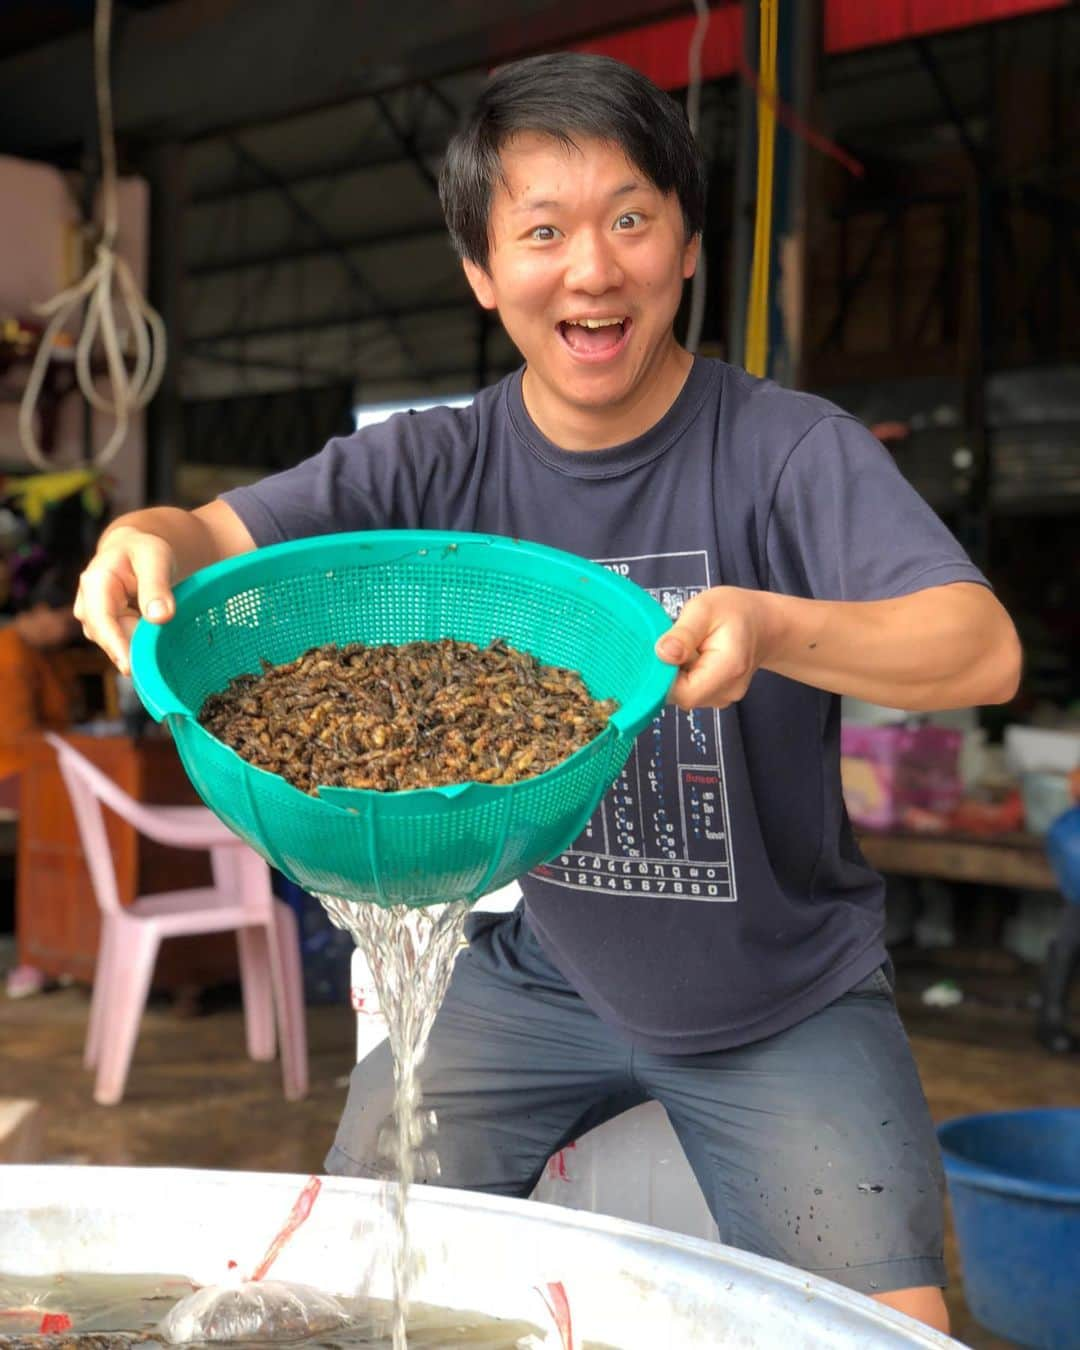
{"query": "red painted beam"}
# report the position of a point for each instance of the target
(851, 24)
(661, 50)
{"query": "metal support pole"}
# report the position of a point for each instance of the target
(973, 527)
(742, 230)
(978, 512)
(165, 415)
(800, 42)
(798, 45)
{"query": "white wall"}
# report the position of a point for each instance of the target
(39, 257)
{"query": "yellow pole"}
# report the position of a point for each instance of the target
(757, 312)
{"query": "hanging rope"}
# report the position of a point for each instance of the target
(757, 310)
(128, 391)
(693, 116)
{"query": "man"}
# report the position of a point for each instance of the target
(714, 939)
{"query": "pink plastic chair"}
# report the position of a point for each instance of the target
(241, 898)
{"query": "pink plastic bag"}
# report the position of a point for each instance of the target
(885, 770)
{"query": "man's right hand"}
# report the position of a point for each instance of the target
(130, 576)
(140, 558)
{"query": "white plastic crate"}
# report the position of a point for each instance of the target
(630, 1168)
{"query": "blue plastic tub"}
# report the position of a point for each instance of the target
(1063, 850)
(1014, 1179)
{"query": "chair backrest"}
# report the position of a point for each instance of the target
(87, 787)
(144, 818)
(238, 871)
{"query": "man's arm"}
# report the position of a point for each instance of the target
(950, 646)
(139, 559)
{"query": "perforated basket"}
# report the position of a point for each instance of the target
(428, 845)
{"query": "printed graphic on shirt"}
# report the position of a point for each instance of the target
(663, 828)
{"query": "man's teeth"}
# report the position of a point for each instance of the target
(594, 323)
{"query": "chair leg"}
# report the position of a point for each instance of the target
(287, 975)
(99, 994)
(256, 986)
(131, 965)
(1060, 968)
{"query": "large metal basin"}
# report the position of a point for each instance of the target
(628, 1286)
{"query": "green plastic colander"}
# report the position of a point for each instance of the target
(428, 845)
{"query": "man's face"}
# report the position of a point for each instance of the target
(582, 235)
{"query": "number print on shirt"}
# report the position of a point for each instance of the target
(662, 831)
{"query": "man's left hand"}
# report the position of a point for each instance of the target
(719, 641)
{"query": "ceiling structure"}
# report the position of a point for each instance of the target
(304, 141)
(184, 69)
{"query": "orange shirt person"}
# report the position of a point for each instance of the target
(34, 691)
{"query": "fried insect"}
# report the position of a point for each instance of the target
(424, 714)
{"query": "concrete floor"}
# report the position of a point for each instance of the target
(194, 1100)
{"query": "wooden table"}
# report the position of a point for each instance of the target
(998, 860)
(56, 914)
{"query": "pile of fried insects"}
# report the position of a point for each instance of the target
(423, 714)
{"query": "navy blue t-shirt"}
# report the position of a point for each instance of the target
(718, 895)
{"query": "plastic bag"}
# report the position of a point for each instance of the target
(262, 1310)
(258, 1309)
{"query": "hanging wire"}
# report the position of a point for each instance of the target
(128, 392)
(693, 116)
(757, 310)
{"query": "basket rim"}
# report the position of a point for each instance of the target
(964, 1170)
(628, 720)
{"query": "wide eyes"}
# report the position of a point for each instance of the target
(546, 234)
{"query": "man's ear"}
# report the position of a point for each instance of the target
(480, 282)
(691, 252)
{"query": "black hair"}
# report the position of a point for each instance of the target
(47, 573)
(565, 95)
(55, 587)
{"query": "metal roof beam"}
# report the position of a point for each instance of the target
(432, 373)
(949, 105)
(259, 363)
(272, 257)
(443, 99)
(407, 141)
(196, 68)
(329, 321)
(339, 168)
(356, 278)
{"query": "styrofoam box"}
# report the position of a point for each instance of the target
(1041, 749)
(631, 1167)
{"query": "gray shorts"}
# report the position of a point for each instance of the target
(814, 1146)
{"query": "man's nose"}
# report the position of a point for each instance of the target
(592, 266)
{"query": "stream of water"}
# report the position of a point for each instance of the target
(411, 955)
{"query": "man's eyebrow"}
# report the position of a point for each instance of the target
(634, 185)
(549, 204)
(535, 204)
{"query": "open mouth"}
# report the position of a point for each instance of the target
(595, 339)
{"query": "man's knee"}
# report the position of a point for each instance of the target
(360, 1146)
(338, 1163)
(925, 1304)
